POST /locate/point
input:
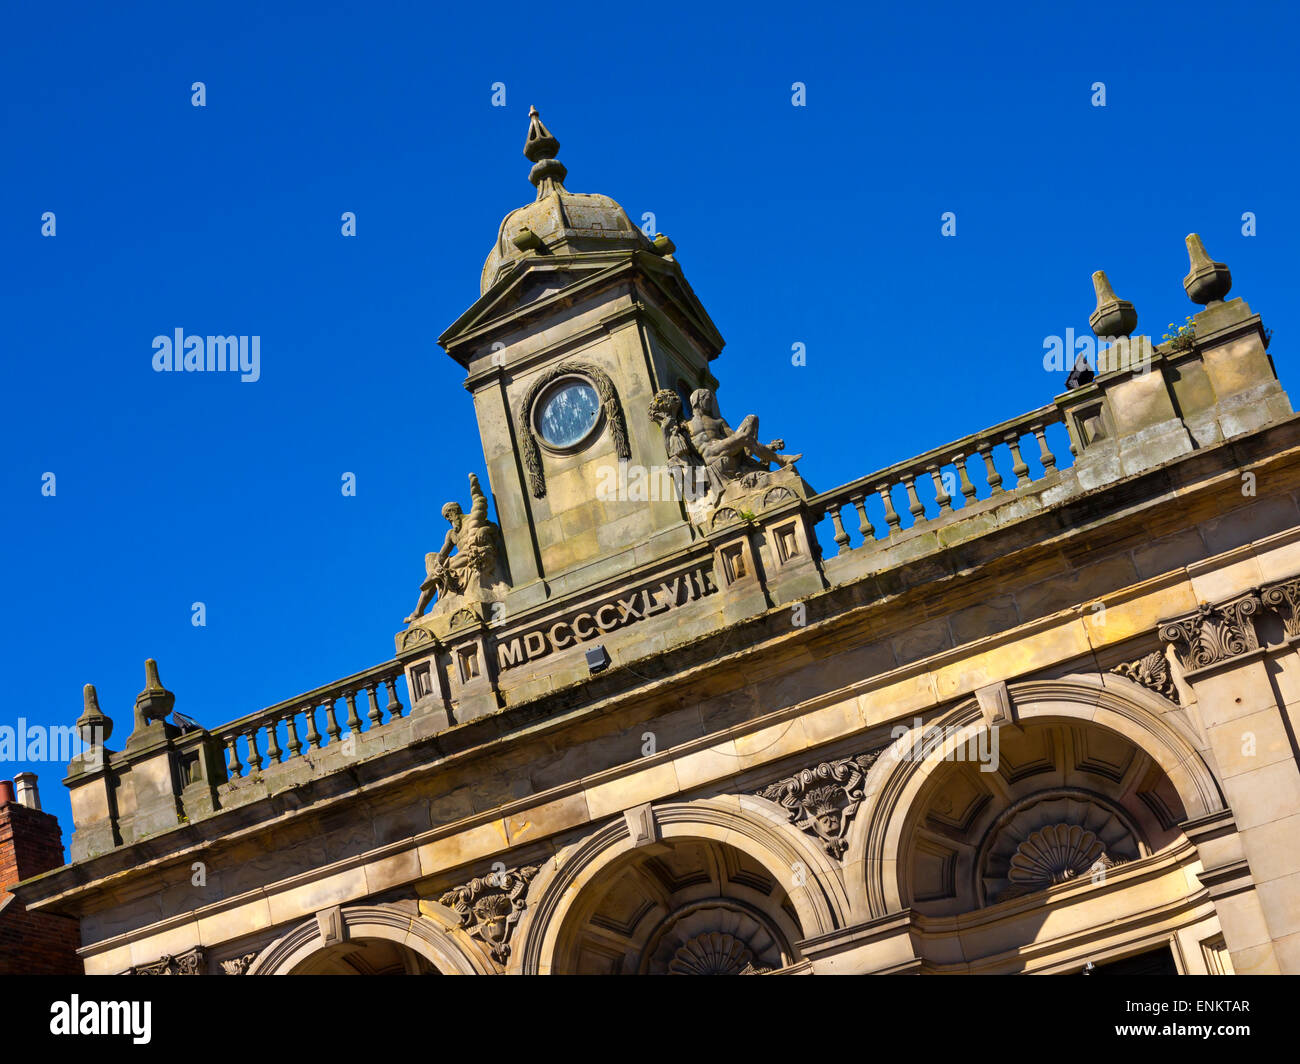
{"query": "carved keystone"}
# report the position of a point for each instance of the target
(996, 705)
(642, 825)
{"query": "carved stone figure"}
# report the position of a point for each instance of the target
(475, 540)
(822, 800)
(729, 455)
(490, 906)
(685, 465)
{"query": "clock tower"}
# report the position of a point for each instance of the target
(581, 319)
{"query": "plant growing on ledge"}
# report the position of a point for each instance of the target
(747, 515)
(1183, 338)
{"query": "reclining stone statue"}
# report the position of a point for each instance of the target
(706, 442)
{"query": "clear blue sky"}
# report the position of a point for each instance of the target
(818, 225)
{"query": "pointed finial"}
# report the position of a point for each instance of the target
(155, 701)
(541, 149)
(94, 726)
(1114, 317)
(1209, 281)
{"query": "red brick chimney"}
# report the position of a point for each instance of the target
(31, 843)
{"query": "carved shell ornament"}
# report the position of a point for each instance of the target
(712, 953)
(1055, 854)
(714, 939)
(1058, 838)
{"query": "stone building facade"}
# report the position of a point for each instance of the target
(1024, 703)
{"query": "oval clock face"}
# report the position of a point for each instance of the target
(567, 412)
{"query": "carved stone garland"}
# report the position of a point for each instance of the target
(609, 403)
(822, 800)
(490, 906)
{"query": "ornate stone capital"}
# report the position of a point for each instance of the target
(191, 962)
(490, 906)
(1214, 633)
(823, 799)
(1284, 600)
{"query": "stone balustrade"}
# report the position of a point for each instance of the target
(948, 471)
(272, 736)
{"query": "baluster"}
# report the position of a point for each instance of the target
(994, 477)
(394, 703)
(916, 507)
(841, 537)
(232, 763)
(967, 488)
(332, 728)
(313, 736)
(1044, 452)
(254, 758)
(354, 721)
(1018, 468)
(375, 714)
(941, 495)
(273, 751)
(891, 516)
(295, 747)
(865, 526)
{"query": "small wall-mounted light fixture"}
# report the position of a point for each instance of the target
(597, 658)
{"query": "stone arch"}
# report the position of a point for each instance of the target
(401, 924)
(1111, 702)
(756, 828)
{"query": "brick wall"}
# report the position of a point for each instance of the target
(32, 943)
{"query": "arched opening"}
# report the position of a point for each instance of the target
(1066, 799)
(366, 956)
(1060, 852)
(391, 938)
(685, 906)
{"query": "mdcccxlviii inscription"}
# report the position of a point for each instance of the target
(618, 612)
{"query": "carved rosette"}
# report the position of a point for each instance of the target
(823, 799)
(1214, 633)
(1152, 672)
(490, 906)
(191, 962)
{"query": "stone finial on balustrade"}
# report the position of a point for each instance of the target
(155, 702)
(1113, 317)
(1209, 281)
(94, 725)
